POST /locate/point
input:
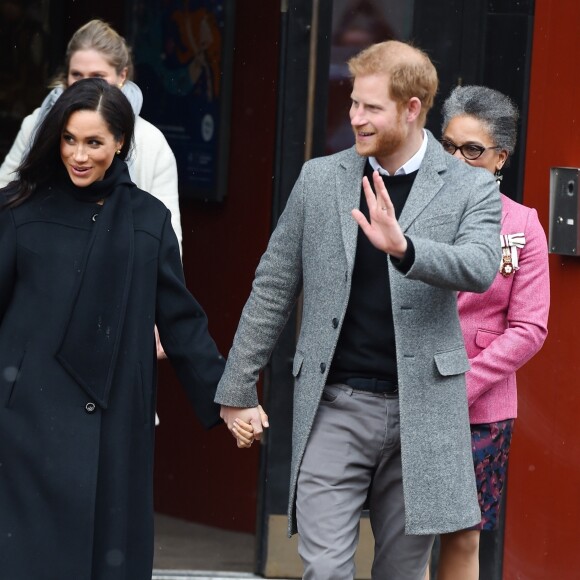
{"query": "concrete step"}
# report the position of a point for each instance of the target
(202, 575)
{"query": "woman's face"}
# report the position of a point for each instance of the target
(465, 130)
(85, 64)
(87, 147)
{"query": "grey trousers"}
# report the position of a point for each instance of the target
(354, 451)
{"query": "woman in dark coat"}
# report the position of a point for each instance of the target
(88, 265)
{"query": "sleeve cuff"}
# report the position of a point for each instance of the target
(404, 264)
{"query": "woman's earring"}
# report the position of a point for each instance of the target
(498, 176)
(118, 152)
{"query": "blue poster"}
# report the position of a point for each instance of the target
(179, 51)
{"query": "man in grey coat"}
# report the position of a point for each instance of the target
(380, 410)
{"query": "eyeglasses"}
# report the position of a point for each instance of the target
(468, 150)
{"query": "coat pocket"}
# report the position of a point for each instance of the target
(484, 338)
(436, 220)
(10, 375)
(297, 364)
(440, 228)
(452, 362)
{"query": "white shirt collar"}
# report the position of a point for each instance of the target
(412, 165)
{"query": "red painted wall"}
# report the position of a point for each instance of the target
(543, 510)
(202, 476)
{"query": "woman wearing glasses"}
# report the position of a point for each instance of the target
(505, 326)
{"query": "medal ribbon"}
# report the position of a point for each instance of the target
(513, 242)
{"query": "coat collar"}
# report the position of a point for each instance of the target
(427, 183)
(348, 187)
(349, 183)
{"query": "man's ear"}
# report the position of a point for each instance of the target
(413, 109)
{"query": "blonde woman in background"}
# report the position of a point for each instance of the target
(96, 50)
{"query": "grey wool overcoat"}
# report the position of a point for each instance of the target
(452, 216)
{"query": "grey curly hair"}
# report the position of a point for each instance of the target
(495, 110)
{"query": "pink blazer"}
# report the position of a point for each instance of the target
(505, 326)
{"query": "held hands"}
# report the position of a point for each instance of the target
(383, 231)
(245, 424)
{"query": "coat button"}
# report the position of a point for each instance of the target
(335, 323)
(95, 216)
(322, 367)
(90, 408)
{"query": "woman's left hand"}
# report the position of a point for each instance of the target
(243, 432)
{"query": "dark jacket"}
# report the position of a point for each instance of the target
(76, 499)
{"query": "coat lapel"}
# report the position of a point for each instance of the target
(348, 188)
(427, 183)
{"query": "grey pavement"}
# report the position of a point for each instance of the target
(187, 550)
(184, 545)
(200, 575)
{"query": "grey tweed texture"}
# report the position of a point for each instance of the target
(452, 216)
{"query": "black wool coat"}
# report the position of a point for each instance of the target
(76, 498)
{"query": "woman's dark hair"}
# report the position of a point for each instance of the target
(43, 160)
